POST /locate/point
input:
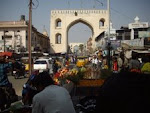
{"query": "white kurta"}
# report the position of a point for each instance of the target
(53, 99)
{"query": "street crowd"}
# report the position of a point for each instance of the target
(129, 75)
(136, 63)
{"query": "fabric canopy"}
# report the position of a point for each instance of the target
(5, 53)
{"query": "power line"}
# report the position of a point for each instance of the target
(121, 13)
(81, 4)
(114, 10)
(36, 5)
(68, 2)
(100, 2)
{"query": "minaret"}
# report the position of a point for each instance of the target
(136, 19)
(45, 31)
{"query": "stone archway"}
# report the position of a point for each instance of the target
(67, 18)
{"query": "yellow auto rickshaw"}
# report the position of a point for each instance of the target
(25, 60)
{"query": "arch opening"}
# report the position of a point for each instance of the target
(58, 39)
(58, 23)
(79, 31)
(101, 22)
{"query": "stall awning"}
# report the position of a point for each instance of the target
(138, 51)
(101, 35)
(5, 53)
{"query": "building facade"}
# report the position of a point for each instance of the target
(102, 39)
(135, 35)
(14, 37)
(74, 47)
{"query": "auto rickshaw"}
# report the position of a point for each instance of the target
(25, 60)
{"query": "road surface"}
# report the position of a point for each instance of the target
(17, 84)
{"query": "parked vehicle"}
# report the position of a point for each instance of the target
(25, 61)
(18, 69)
(43, 65)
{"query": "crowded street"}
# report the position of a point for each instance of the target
(74, 56)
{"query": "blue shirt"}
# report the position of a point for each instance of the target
(3, 74)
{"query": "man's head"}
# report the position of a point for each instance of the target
(42, 80)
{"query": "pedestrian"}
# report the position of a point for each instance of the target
(145, 66)
(104, 63)
(29, 91)
(19, 67)
(124, 92)
(7, 92)
(4, 67)
(120, 63)
(55, 66)
(134, 64)
(51, 98)
(63, 62)
(115, 65)
(94, 62)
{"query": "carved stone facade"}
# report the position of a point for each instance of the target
(62, 20)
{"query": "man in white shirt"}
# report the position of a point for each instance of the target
(94, 61)
(51, 98)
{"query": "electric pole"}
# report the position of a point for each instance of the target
(29, 37)
(109, 43)
(4, 41)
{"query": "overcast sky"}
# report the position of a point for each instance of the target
(123, 12)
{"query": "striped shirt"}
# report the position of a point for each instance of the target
(3, 74)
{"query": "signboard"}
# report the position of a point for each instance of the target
(138, 25)
(144, 34)
(112, 35)
(115, 44)
(134, 42)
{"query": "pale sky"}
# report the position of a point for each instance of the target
(123, 12)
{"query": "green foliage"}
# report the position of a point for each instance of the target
(83, 69)
(81, 47)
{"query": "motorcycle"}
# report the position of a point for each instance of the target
(29, 90)
(17, 73)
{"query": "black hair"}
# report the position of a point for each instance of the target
(129, 91)
(43, 79)
(145, 59)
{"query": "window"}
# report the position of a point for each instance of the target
(127, 35)
(40, 62)
(135, 33)
(58, 23)
(58, 39)
(101, 22)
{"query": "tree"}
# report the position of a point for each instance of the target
(81, 47)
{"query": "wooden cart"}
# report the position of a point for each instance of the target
(87, 87)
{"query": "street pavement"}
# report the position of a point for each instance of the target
(18, 84)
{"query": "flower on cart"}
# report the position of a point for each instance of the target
(65, 75)
(60, 76)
